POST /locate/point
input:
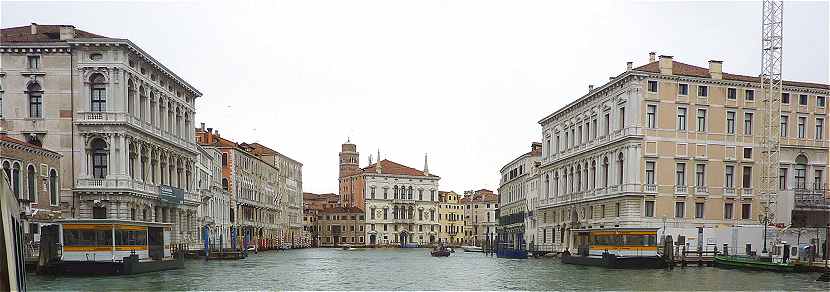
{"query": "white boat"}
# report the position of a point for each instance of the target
(12, 265)
(470, 248)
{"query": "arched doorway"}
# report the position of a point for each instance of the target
(372, 239)
(432, 239)
(404, 236)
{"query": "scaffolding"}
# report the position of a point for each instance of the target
(771, 85)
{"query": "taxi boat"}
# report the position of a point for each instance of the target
(626, 248)
(107, 247)
(12, 264)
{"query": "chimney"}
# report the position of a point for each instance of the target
(34, 28)
(651, 57)
(217, 133)
(203, 127)
(590, 87)
(716, 69)
(629, 66)
(67, 32)
(665, 64)
(536, 146)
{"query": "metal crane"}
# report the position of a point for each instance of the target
(771, 52)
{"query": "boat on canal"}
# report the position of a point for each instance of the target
(107, 247)
(753, 263)
(623, 248)
(12, 263)
(440, 250)
(472, 248)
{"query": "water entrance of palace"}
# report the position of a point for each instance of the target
(414, 269)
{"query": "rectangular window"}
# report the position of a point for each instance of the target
(784, 121)
(782, 179)
(607, 124)
(681, 118)
(622, 118)
(700, 175)
(750, 94)
(34, 62)
(731, 93)
(679, 209)
(650, 172)
(651, 116)
(820, 101)
(680, 174)
(802, 127)
(649, 209)
(652, 86)
(702, 91)
(785, 98)
(727, 210)
(730, 122)
(699, 210)
(802, 99)
(594, 126)
(747, 177)
(730, 176)
(746, 211)
(35, 105)
(819, 128)
(701, 120)
(747, 123)
(818, 180)
(683, 89)
(747, 153)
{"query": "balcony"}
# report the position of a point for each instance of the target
(681, 190)
(812, 201)
(746, 192)
(729, 191)
(650, 188)
(122, 118)
(403, 201)
(121, 184)
(701, 191)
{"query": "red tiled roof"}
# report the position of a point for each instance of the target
(343, 210)
(45, 33)
(313, 196)
(6, 138)
(394, 168)
(683, 69)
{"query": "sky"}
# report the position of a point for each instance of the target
(464, 81)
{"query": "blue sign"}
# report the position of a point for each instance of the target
(171, 195)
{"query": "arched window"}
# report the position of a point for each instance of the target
(605, 172)
(130, 97)
(620, 168)
(31, 182)
(35, 93)
(395, 212)
(225, 184)
(593, 174)
(53, 188)
(801, 172)
(410, 193)
(8, 170)
(16, 179)
(579, 178)
(98, 93)
(547, 184)
(99, 158)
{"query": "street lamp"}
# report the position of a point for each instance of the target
(763, 219)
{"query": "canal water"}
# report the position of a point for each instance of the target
(414, 269)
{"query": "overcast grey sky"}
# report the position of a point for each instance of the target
(465, 81)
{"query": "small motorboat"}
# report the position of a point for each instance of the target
(440, 251)
(451, 249)
(470, 248)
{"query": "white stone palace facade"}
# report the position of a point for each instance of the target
(400, 202)
(674, 145)
(121, 120)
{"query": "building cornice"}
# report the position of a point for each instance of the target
(137, 50)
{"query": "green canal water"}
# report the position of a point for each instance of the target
(414, 269)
